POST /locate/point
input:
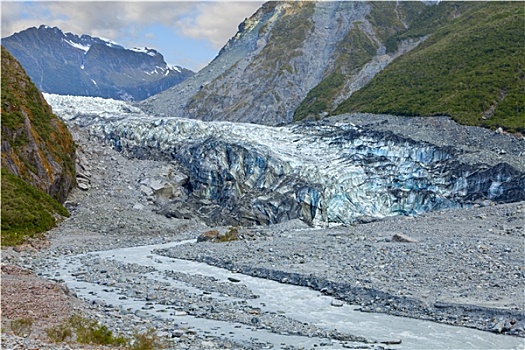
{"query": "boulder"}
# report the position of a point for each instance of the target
(402, 238)
(208, 236)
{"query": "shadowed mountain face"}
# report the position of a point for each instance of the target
(305, 60)
(67, 64)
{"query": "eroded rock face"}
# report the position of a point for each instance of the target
(282, 52)
(325, 172)
(36, 145)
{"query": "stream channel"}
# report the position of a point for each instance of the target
(299, 303)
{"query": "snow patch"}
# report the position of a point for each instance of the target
(84, 48)
(110, 42)
(145, 50)
(175, 68)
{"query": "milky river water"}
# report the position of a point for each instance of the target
(299, 303)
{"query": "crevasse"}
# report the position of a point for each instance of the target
(317, 172)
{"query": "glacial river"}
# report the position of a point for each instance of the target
(299, 303)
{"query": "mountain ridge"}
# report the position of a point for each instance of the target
(69, 64)
(294, 46)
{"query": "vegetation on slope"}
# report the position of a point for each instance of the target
(387, 19)
(38, 167)
(288, 35)
(353, 52)
(26, 211)
(471, 68)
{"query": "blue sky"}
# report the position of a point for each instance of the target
(187, 33)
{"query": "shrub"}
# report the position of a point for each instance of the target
(22, 327)
(90, 332)
(148, 340)
(59, 333)
(86, 331)
(231, 235)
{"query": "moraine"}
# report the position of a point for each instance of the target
(244, 159)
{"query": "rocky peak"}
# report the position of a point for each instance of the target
(69, 64)
(279, 55)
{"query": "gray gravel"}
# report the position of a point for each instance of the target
(467, 267)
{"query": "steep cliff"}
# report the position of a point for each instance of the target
(68, 64)
(36, 148)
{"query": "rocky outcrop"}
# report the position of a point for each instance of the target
(244, 174)
(36, 145)
(68, 64)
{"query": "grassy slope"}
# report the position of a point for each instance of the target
(27, 210)
(471, 67)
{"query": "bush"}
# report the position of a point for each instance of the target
(59, 333)
(86, 331)
(231, 235)
(147, 341)
(90, 332)
(22, 327)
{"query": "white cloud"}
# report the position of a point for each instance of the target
(215, 22)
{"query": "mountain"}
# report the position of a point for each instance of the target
(283, 52)
(38, 157)
(68, 64)
(303, 60)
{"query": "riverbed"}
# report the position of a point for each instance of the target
(81, 273)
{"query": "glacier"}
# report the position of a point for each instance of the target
(319, 172)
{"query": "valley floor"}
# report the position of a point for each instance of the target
(461, 267)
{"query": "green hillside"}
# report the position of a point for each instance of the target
(471, 68)
(26, 211)
(38, 157)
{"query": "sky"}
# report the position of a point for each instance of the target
(187, 33)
